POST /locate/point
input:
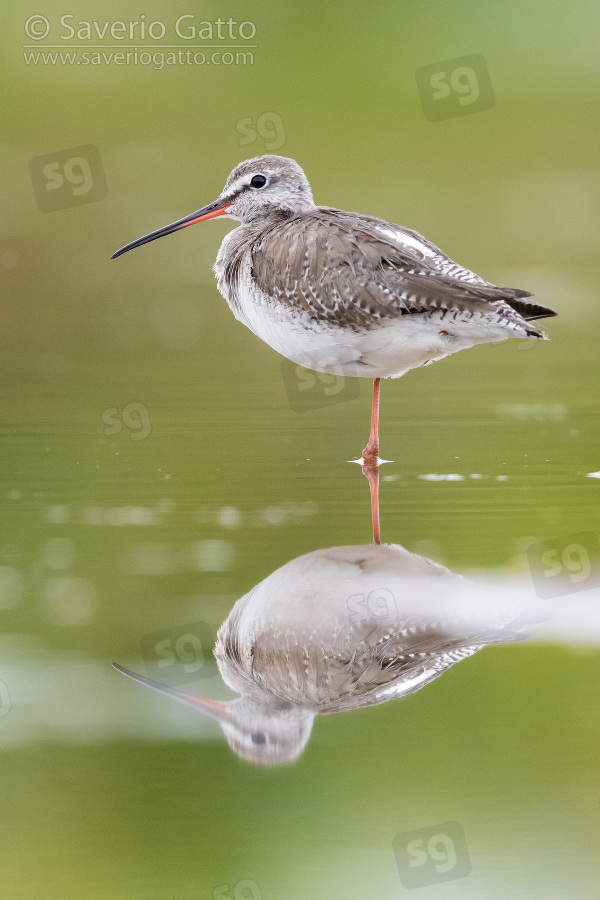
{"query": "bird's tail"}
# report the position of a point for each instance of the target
(529, 309)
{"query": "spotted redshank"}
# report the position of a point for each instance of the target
(345, 293)
(340, 629)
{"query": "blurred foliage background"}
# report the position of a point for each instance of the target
(153, 469)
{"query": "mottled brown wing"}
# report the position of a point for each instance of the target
(410, 662)
(342, 268)
(358, 664)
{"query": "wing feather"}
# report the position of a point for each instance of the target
(340, 266)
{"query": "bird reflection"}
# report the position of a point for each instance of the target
(340, 629)
(371, 472)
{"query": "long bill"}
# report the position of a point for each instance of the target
(218, 208)
(213, 708)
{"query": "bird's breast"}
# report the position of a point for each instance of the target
(302, 326)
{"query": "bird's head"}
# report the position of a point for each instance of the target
(266, 734)
(266, 184)
(259, 731)
(256, 189)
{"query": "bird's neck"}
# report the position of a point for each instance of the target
(275, 215)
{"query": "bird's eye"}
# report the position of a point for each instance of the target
(258, 737)
(258, 181)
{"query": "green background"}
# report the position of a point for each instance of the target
(108, 791)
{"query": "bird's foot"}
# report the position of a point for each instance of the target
(370, 455)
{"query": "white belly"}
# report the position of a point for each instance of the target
(388, 349)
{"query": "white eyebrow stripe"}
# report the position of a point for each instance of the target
(400, 237)
(242, 181)
(235, 187)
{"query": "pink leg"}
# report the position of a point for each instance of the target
(372, 473)
(371, 451)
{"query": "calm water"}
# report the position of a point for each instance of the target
(158, 462)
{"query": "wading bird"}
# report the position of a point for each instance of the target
(345, 293)
(340, 629)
